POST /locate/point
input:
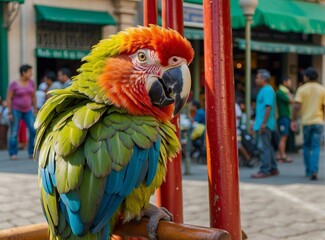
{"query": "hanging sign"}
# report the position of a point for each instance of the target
(60, 53)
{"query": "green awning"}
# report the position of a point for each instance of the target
(17, 1)
(281, 15)
(284, 15)
(69, 15)
(282, 47)
(194, 1)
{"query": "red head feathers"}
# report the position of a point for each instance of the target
(166, 42)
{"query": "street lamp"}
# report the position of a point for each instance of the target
(248, 7)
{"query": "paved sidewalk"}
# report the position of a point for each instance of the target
(286, 207)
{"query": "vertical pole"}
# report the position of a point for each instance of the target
(196, 71)
(150, 12)
(221, 127)
(3, 51)
(170, 195)
(248, 70)
(22, 34)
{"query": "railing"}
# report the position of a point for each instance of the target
(166, 231)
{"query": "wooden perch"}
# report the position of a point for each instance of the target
(30, 232)
(172, 231)
(166, 231)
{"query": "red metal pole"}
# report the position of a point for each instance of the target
(221, 128)
(150, 12)
(170, 194)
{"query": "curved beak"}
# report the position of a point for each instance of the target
(173, 87)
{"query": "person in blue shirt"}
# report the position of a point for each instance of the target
(197, 114)
(265, 124)
(197, 117)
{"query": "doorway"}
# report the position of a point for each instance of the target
(304, 61)
(54, 64)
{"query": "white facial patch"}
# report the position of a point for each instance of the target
(150, 80)
(186, 80)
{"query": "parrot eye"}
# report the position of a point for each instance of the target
(142, 56)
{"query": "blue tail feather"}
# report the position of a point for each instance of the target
(153, 161)
(73, 218)
(143, 163)
(143, 172)
(71, 200)
(75, 222)
(109, 211)
(105, 232)
(53, 179)
(51, 165)
(46, 180)
(133, 171)
(116, 183)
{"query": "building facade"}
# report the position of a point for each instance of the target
(51, 34)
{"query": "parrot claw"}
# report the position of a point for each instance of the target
(137, 220)
(155, 214)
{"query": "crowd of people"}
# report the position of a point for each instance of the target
(271, 134)
(274, 117)
(260, 141)
(23, 101)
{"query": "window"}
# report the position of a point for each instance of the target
(56, 35)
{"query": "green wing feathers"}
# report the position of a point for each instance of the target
(79, 143)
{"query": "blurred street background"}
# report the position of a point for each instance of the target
(287, 36)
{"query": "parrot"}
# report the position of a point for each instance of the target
(104, 142)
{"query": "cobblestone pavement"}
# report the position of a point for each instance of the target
(286, 207)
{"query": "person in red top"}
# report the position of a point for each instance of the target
(21, 105)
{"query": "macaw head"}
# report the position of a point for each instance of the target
(145, 70)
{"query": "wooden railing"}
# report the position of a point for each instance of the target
(166, 231)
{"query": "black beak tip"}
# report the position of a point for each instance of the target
(179, 104)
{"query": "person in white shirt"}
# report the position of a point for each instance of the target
(242, 150)
(41, 95)
(4, 125)
(64, 76)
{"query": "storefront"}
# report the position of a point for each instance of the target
(287, 36)
(65, 36)
(282, 54)
(51, 34)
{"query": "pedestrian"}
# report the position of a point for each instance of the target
(197, 117)
(310, 103)
(241, 149)
(4, 125)
(243, 119)
(239, 91)
(41, 95)
(64, 76)
(265, 124)
(197, 114)
(21, 106)
(51, 82)
(284, 99)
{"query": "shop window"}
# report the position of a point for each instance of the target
(56, 35)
